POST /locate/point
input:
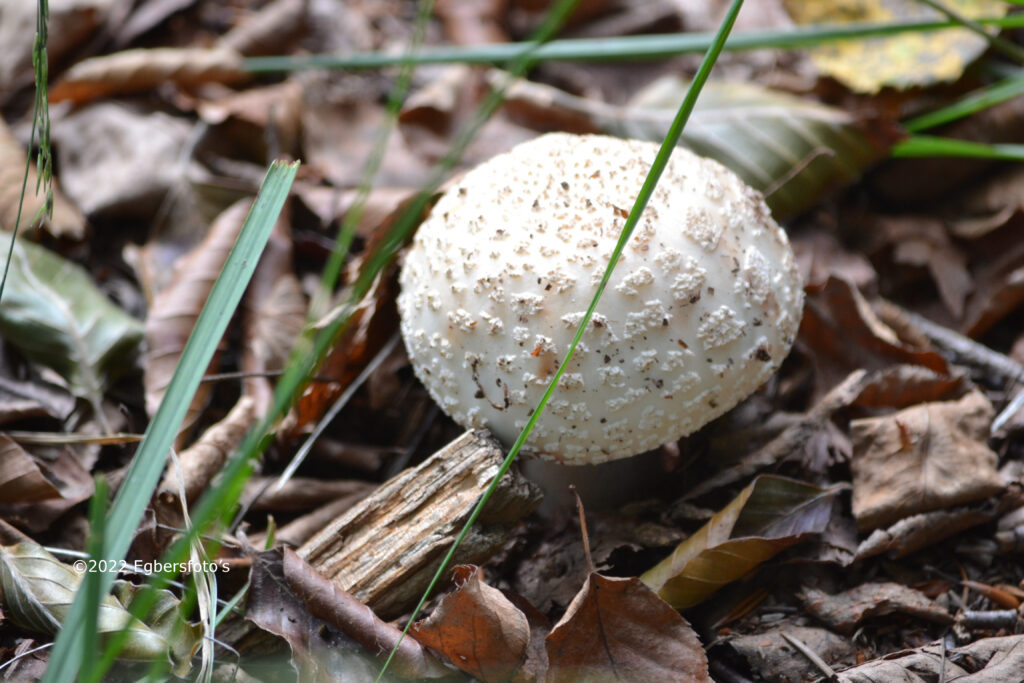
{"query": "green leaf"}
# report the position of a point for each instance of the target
(768, 516)
(53, 313)
(38, 591)
(791, 149)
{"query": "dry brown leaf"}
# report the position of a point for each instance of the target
(477, 628)
(473, 22)
(845, 334)
(201, 461)
(71, 480)
(139, 70)
(920, 531)
(923, 458)
(922, 241)
(322, 599)
(989, 660)
(274, 315)
(620, 630)
(175, 310)
(775, 659)
(259, 122)
(120, 160)
(999, 291)
(67, 220)
(21, 479)
(984, 208)
(844, 611)
(271, 30)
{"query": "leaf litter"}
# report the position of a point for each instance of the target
(829, 516)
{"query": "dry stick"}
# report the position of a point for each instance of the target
(966, 351)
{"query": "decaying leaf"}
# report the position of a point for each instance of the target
(775, 659)
(844, 611)
(175, 310)
(200, 462)
(477, 628)
(21, 480)
(845, 334)
(619, 630)
(38, 591)
(791, 149)
(144, 69)
(904, 60)
(67, 220)
(54, 314)
(291, 599)
(989, 660)
(913, 533)
(72, 483)
(768, 516)
(915, 460)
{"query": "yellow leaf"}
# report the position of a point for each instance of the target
(904, 60)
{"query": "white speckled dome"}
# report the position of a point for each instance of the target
(700, 311)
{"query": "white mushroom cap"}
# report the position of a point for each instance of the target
(700, 311)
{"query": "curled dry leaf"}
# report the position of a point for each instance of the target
(67, 221)
(144, 69)
(844, 611)
(274, 315)
(54, 314)
(270, 30)
(200, 462)
(920, 531)
(768, 516)
(38, 591)
(175, 310)
(619, 630)
(21, 480)
(775, 659)
(326, 601)
(845, 334)
(989, 660)
(119, 160)
(477, 628)
(914, 460)
(73, 484)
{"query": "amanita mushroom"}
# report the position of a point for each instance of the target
(700, 311)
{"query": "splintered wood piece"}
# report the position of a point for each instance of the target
(386, 548)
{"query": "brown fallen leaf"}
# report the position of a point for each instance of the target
(775, 659)
(139, 70)
(845, 334)
(768, 516)
(989, 660)
(913, 533)
(915, 460)
(67, 221)
(999, 291)
(21, 478)
(324, 600)
(845, 611)
(270, 30)
(71, 480)
(175, 310)
(477, 628)
(200, 462)
(619, 630)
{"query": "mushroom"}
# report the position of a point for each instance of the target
(700, 311)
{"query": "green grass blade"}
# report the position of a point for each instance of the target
(625, 47)
(147, 465)
(919, 146)
(646, 190)
(970, 104)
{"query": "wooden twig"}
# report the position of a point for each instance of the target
(387, 547)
